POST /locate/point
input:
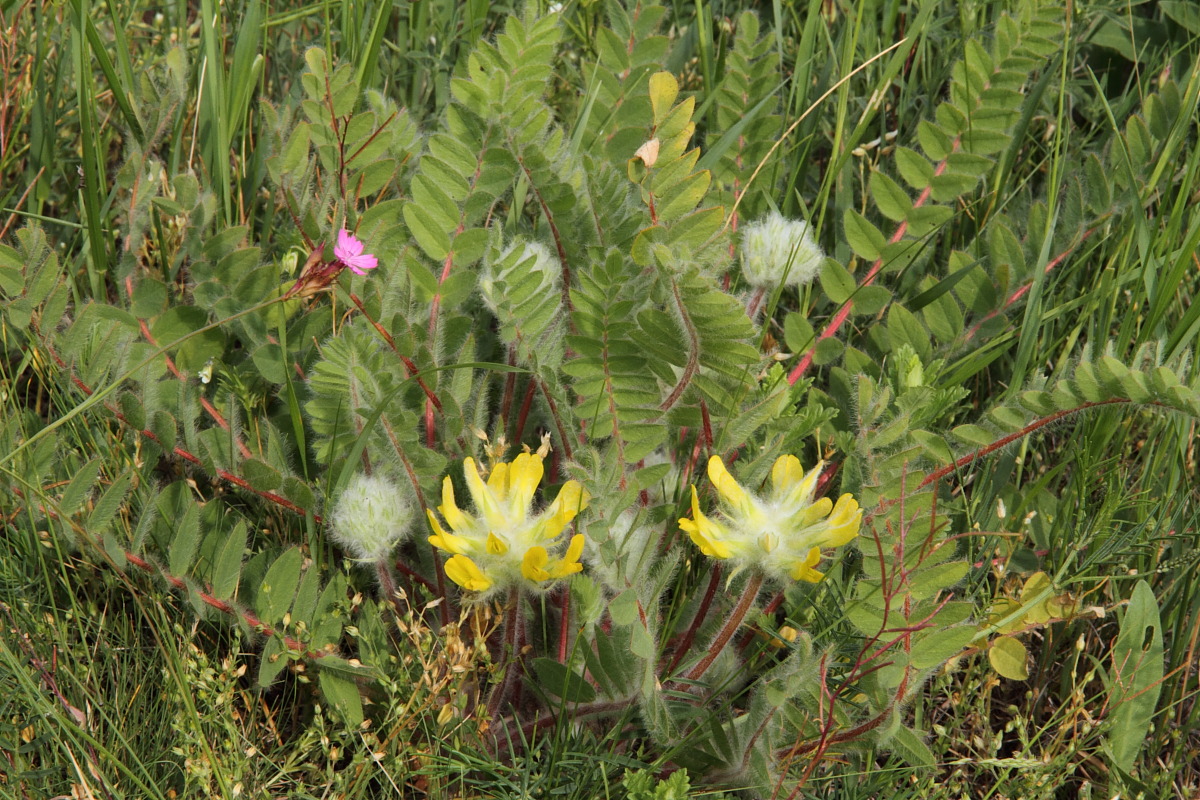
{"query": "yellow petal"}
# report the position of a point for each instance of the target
(801, 493)
(523, 478)
(564, 569)
(704, 532)
(569, 563)
(802, 570)
(481, 493)
(495, 545)
(533, 565)
(786, 473)
(434, 523)
(466, 574)
(709, 547)
(814, 513)
(498, 481)
(728, 488)
(713, 548)
(575, 548)
(572, 499)
(845, 510)
(446, 541)
(696, 512)
(844, 522)
(807, 574)
(455, 518)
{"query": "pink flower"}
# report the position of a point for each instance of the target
(349, 251)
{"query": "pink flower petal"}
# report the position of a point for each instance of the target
(348, 246)
(362, 263)
(349, 251)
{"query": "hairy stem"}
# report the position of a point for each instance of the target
(387, 584)
(736, 617)
(843, 313)
(685, 644)
(510, 652)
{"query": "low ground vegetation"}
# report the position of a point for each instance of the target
(599, 400)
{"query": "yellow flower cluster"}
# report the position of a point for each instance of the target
(505, 545)
(781, 534)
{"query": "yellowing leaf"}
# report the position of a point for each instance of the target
(1036, 584)
(684, 197)
(1008, 658)
(1001, 610)
(1062, 607)
(663, 91)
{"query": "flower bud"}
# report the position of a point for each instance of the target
(907, 369)
(776, 250)
(371, 517)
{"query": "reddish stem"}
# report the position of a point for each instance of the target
(562, 431)
(706, 424)
(407, 572)
(224, 475)
(227, 608)
(378, 130)
(523, 414)
(577, 713)
(510, 390)
(770, 608)
(1019, 293)
(564, 627)
(510, 653)
(207, 406)
(685, 643)
(754, 303)
(736, 617)
(843, 313)
(556, 236)
(387, 584)
(937, 475)
(693, 358)
(410, 368)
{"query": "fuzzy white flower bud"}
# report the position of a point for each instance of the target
(371, 517)
(776, 250)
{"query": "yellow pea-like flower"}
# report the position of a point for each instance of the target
(781, 533)
(504, 543)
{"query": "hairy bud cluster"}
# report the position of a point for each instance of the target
(371, 517)
(776, 250)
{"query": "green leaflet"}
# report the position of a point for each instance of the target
(1135, 677)
(278, 587)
